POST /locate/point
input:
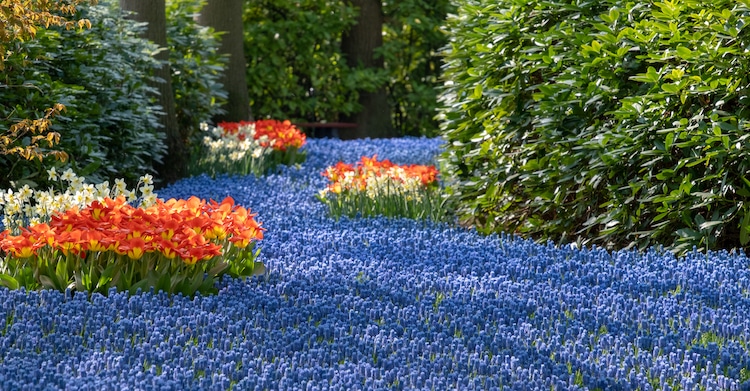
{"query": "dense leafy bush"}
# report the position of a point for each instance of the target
(31, 138)
(412, 40)
(296, 69)
(607, 123)
(294, 64)
(196, 68)
(109, 127)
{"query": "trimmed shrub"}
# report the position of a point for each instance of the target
(599, 122)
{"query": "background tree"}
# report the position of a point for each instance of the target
(359, 45)
(153, 12)
(225, 16)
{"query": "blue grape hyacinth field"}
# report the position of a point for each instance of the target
(372, 304)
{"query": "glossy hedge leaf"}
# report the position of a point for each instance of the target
(643, 122)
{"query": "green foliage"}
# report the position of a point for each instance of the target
(620, 125)
(294, 65)
(109, 127)
(411, 43)
(296, 69)
(196, 69)
(423, 204)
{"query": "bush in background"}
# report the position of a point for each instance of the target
(294, 64)
(196, 69)
(601, 123)
(296, 69)
(110, 127)
(412, 40)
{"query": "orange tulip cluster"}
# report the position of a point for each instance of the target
(347, 176)
(192, 230)
(280, 135)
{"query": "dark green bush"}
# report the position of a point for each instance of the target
(600, 122)
(294, 64)
(411, 51)
(196, 69)
(109, 128)
(296, 69)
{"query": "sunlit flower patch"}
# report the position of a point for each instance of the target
(371, 187)
(248, 147)
(24, 206)
(176, 246)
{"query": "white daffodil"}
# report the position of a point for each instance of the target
(52, 174)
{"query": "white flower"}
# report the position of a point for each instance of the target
(120, 187)
(25, 193)
(68, 175)
(148, 200)
(76, 184)
(147, 179)
(52, 174)
(102, 190)
(80, 199)
(147, 190)
(131, 196)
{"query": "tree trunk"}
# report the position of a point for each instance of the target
(358, 45)
(226, 16)
(153, 12)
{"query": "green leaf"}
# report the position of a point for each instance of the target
(9, 282)
(477, 92)
(672, 88)
(684, 52)
(745, 229)
(48, 282)
(259, 269)
(709, 224)
(688, 233)
(651, 76)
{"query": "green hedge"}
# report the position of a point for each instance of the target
(295, 68)
(294, 65)
(620, 125)
(412, 40)
(196, 69)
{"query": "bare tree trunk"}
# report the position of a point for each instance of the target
(226, 16)
(358, 45)
(153, 12)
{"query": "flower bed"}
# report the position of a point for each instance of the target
(373, 187)
(248, 147)
(82, 239)
(377, 303)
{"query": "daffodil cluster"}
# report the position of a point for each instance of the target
(248, 147)
(26, 206)
(237, 152)
(373, 187)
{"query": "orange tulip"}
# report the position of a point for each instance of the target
(134, 247)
